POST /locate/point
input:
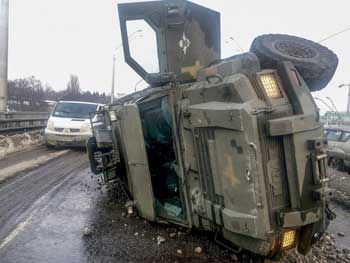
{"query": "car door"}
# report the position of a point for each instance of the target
(136, 161)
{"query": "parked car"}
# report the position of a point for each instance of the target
(69, 123)
(338, 151)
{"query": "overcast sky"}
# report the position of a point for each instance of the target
(51, 39)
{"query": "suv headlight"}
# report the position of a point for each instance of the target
(50, 125)
(86, 127)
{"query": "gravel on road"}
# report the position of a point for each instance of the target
(60, 212)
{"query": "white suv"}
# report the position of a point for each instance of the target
(69, 123)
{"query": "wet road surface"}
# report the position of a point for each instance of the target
(47, 214)
(58, 212)
(341, 225)
(42, 213)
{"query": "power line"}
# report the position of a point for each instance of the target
(334, 35)
(236, 43)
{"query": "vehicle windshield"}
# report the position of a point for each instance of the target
(333, 135)
(74, 110)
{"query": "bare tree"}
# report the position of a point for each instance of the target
(29, 94)
(73, 86)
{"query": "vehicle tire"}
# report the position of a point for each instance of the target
(315, 63)
(50, 146)
(91, 147)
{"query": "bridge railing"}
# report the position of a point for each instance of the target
(22, 121)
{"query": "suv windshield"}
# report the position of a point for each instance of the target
(74, 110)
(333, 135)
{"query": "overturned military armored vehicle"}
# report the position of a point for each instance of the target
(233, 146)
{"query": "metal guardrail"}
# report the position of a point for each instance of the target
(22, 121)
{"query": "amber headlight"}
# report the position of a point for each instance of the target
(271, 85)
(289, 239)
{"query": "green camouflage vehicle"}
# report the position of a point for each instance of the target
(233, 146)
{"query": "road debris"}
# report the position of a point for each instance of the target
(341, 234)
(160, 240)
(324, 251)
(87, 232)
(234, 258)
(198, 250)
(130, 207)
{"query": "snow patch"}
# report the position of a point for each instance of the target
(30, 164)
(18, 142)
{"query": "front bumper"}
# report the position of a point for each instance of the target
(66, 139)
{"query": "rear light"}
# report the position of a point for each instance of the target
(289, 239)
(270, 85)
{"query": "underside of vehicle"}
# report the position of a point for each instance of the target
(233, 146)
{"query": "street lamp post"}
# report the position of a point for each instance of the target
(348, 86)
(114, 64)
(333, 104)
(4, 22)
(113, 79)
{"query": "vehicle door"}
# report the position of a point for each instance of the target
(136, 161)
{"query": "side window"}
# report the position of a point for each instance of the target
(143, 45)
(345, 137)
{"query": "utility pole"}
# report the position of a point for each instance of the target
(348, 86)
(113, 79)
(115, 58)
(4, 24)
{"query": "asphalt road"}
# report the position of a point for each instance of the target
(42, 213)
(58, 212)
